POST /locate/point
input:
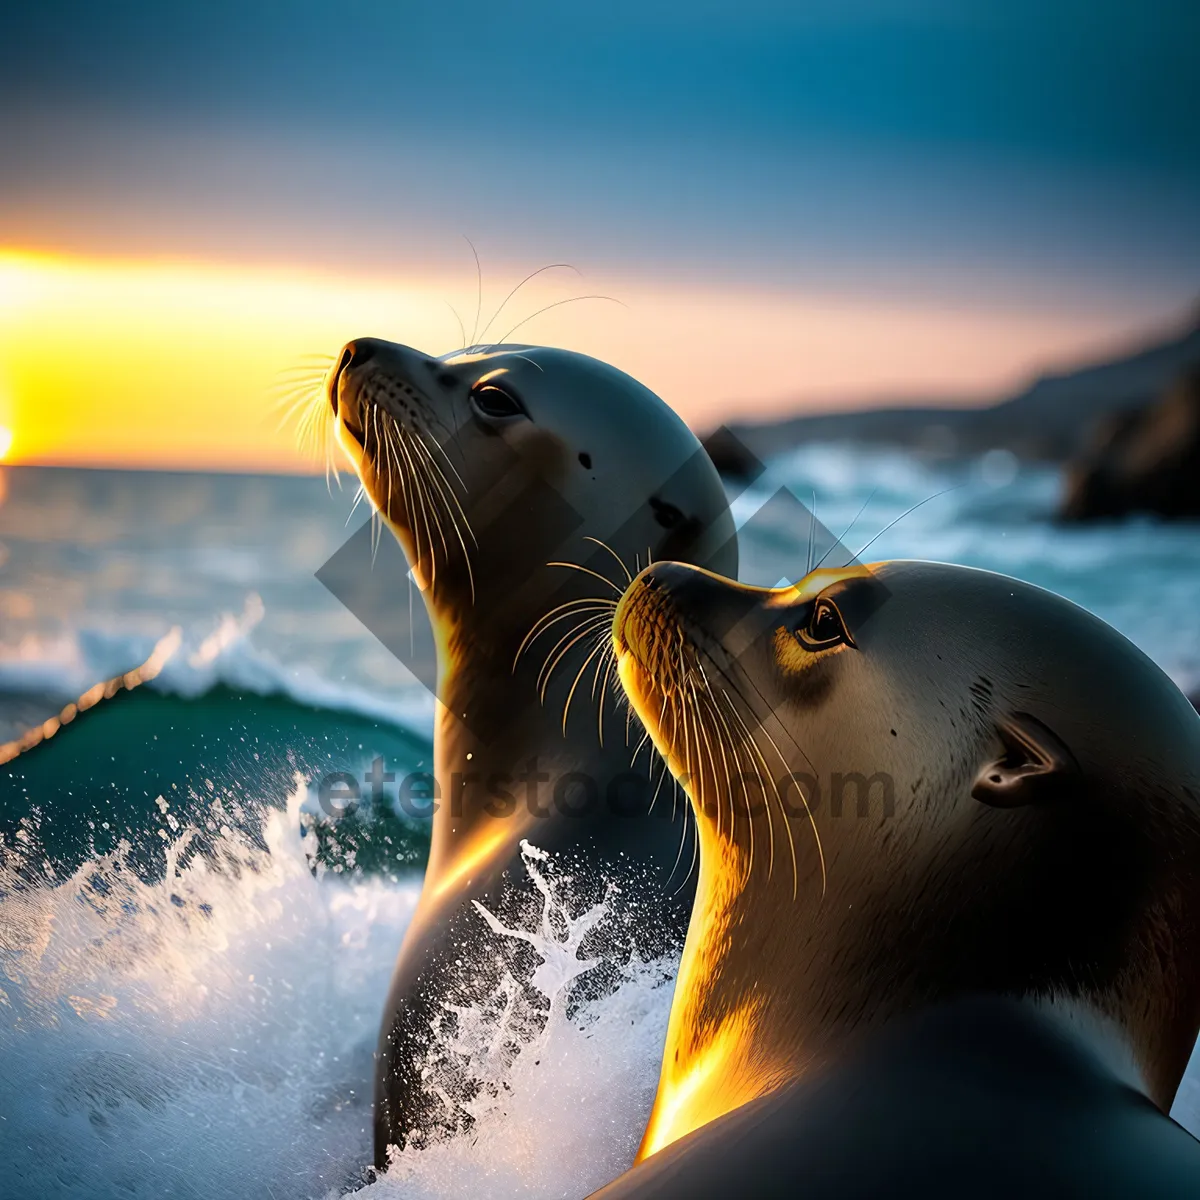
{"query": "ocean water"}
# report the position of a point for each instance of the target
(176, 1023)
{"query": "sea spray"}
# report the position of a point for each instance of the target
(209, 1032)
(555, 1089)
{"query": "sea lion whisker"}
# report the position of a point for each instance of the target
(729, 736)
(395, 466)
(437, 442)
(692, 758)
(376, 519)
(462, 329)
(306, 412)
(454, 513)
(808, 811)
(362, 491)
(387, 454)
(755, 758)
(547, 308)
(432, 484)
(588, 571)
(654, 800)
(435, 513)
(282, 390)
(702, 743)
(478, 288)
(610, 661)
(890, 524)
(436, 517)
(310, 426)
(410, 515)
(746, 742)
(331, 467)
(285, 391)
(620, 562)
(293, 377)
(812, 532)
(383, 451)
(548, 669)
(525, 358)
(410, 518)
(578, 676)
(708, 735)
(412, 477)
(449, 498)
(695, 864)
(638, 748)
(376, 534)
(420, 444)
(583, 618)
(846, 532)
(296, 402)
(561, 612)
(718, 804)
(767, 808)
(732, 685)
(515, 290)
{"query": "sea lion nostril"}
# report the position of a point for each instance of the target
(354, 354)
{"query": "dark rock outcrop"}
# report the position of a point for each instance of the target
(1050, 420)
(1147, 460)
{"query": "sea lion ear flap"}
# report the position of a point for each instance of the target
(1035, 768)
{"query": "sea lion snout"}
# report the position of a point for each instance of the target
(689, 604)
(643, 614)
(375, 382)
(353, 356)
(366, 357)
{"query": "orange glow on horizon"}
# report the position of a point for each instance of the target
(6, 441)
(176, 364)
(128, 363)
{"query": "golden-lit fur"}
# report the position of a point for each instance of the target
(813, 924)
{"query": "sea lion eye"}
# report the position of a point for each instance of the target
(824, 627)
(490, 399)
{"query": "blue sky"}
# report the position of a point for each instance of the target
(1018, 155)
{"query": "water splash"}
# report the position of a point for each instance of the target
(556, 1090)
(211, 1033)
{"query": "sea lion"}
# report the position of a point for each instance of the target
(494, 467)
(984, 969)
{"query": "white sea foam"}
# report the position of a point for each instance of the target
(561, 1096)
(65, 665)
(211, 1035)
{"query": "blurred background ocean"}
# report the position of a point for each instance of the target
(926, 254)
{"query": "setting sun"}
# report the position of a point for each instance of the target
(176, 363)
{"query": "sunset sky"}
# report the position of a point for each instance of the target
(797, 205)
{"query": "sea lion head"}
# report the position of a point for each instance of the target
(489, 463)
(982, 788)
